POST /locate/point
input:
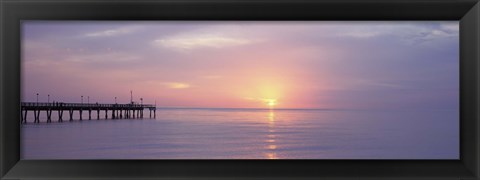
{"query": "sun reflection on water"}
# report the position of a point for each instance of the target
(271, 145)
(271, 117)
(272, 156)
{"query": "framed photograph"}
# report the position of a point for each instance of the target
(254, 89)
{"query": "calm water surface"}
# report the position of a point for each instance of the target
(248, 134)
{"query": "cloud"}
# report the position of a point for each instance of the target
(189, 42)
(411, 33)
(176, 85)
(360, 34)
(264, 100)
(450, 27)
(112, 32)
(443, 31)
(379, 84)
(434, 34)
(364, 31)
(114, 57)
(211, 77)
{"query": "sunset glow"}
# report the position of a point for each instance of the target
(242, 64)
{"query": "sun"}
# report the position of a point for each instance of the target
(271, 102)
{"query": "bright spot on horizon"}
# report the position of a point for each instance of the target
(271, 102)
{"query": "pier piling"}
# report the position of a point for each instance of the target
(49, 115)
(90, 114)
(71, 114)
(24, 120)
(60, 115)
(80, 112)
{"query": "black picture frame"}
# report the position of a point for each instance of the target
(12, 12)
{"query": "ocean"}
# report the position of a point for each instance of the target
(189, 133)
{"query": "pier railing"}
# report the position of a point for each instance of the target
(85, 105)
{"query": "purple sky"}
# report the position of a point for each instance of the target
(359, 65)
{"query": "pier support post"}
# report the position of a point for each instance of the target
(81, 113)
(34, 116)
(141, 113)
(25, 117)
(133, 113)
(36, 113)
(89, 114)
(121, 115)
(49, 115)
(21, 116)
(154, 113)
(150, 113)
(106, 113)
(71, 114)
(38, 116)
(98, 114)
(113, 113)
(60, 115)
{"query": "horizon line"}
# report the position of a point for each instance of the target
(180, 107)
(312, 109)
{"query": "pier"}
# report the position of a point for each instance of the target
(116, 111)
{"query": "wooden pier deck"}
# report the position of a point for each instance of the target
(117, 111)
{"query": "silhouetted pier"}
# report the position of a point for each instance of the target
(116, 111)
